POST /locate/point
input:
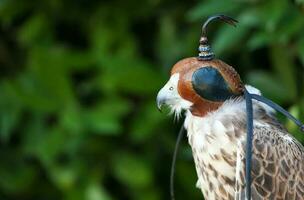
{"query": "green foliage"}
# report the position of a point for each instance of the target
(79, 79)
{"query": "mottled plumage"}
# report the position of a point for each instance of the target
(218, 145)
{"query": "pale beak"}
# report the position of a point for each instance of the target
(161, 99)
(160, 103)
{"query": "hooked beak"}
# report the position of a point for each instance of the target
(160, 102)
(161, 99)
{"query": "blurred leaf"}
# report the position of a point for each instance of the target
(71, 119)
(228, 37)
(250, 17)
(105, 118)
(10, 9)
(132, 171)
(135, 78)
(289, 27)
(168, 44)
(148, 195)
(46, 145)
(301, 50)
(259, 40)
(204, 9)
(300, 2)
(95, 192)
(35, 31)
(64, 177)
(10, 112)
(26, 91)
(270, 86)
(16, 176)
(188, 177)
(147, 122)
(283, 64)
(271, 13)
(49, 68)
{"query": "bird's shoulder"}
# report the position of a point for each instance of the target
(277, 163)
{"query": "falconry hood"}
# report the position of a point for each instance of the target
(205, 81)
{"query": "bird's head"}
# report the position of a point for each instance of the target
(201, 84)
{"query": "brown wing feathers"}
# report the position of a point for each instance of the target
(277, 166)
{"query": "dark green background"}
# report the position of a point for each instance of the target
(78, 81)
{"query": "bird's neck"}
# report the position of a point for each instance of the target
(201, 108)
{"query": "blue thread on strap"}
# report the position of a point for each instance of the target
(249, 111)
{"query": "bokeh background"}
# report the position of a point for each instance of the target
(78, 81)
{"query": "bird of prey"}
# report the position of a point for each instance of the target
(212, 95)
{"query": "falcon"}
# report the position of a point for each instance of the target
(211, 94)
